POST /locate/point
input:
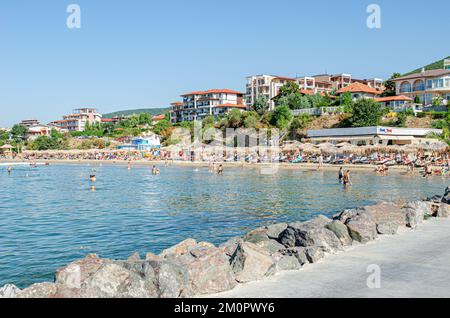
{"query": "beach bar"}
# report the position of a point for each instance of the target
(376, 135)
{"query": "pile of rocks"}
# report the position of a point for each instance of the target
(191, 268)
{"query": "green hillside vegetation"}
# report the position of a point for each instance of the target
(433, 66)
(151, 111)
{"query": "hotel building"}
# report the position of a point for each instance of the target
(200, 104)
(78, 119)
(269, 86)
(358, 90)
(427, 85)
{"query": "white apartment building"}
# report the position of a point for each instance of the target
(264, 85)
(200, 104)
(78, 119)
(427, 85)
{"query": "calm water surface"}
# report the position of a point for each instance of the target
(49, 217)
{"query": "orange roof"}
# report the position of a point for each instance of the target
(107, 120)
(176, 104)
(232, 106)
(358, 88)
(306, 92)
(214, 91)
(158, 117)
(393, 98)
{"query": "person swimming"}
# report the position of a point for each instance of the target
(92, 178)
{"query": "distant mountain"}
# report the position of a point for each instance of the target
(151, 111)
(433, 66)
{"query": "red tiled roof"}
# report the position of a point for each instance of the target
(232, 106)
(358, 88)
(158, 117)
(393, 98)
(107, 120)
(176, 104)
(214, 91)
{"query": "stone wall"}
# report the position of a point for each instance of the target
(193, 268)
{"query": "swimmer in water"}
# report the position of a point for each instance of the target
(220, 170)
(9, 170)
(129, 165)
(92, 188)
(153, 170)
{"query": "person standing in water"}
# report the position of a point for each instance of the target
(346, 178)
(220, 170)
(320, 162)
(341, 174)
(153, 169)
(9, 170)
(129, 165)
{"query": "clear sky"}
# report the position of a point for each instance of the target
(145, 53)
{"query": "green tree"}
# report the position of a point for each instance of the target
(390, 86)
(438, 101)
(417, 100)
(346, 102)
(282, 117)
(234, 119)
(18, 132)
(261, 104)
(365, 112)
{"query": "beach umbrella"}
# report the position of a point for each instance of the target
(344, 144)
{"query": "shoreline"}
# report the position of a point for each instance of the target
(193, 269)
(286, 166)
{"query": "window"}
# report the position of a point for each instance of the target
(405, 87)
(418, 86)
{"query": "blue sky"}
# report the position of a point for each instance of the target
(133, 54)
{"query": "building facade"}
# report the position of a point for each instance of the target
(267, 86)
(426, 85)
(358, 90)
(373, 135)
(78, 119)
(200, 104)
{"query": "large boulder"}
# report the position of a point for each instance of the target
(387, 228)
(298, 252)
(311, 233)
(444, 210)
(341, 231)
(314, 254)
(179, 249)
(273, 231)
(114, 281)
(362, 228)
(69, 279)
(9, 291)
(386, 213)
(415, 212)
(40, 290)
(230, 246)
(446, 197)
(271, 246)
(250, 262)
(208, 271)
(285, 262)
(173, 279)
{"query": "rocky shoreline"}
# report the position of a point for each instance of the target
(191, 268)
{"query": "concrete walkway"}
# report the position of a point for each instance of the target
(413, 264)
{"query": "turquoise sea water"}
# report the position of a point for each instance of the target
(49, 217)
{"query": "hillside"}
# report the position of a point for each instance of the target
(433, 66)
(152, 111)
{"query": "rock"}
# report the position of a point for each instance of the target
(173, 280)
(314, 254)
(415, 212)
(250, 262)
(387, 228)
(70, 278)
(114, 281)
(298, 252)
(341, 231)
(230, 246)
(41, 290)
(444, 211)
(134, 257)
(285, 262)
(9, 291)
(256, 236)
(386, 212)
(271, 246)
(179, 249)
(446, 197)
(206, 244)
(208, 271)
(152, 257)
(361, 226)
(435, 199)
(273, 231)
(311, 233)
